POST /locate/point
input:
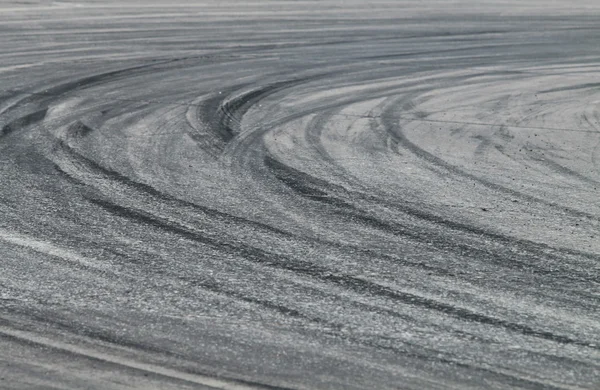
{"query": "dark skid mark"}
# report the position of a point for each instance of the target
(393, 128)
(308, 269)
(100, 78)
(224, 117)
(281, 309)
(231, 112)
(48, 95)
(148, 190)
(561, 169)
(303, 184)
(113, 338)
(572, 88)
(363, 286)
(116, 340)
(24, 121)
(534, 248)
(513, 253)
(68, 326)
(78, 130)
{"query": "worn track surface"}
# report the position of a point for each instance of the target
(300, 194)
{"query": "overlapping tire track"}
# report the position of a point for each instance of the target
(334, 208)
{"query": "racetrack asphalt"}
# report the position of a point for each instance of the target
(300, 194)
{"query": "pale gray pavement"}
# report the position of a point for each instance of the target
(300, 194)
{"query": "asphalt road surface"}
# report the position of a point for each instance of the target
(300, 194)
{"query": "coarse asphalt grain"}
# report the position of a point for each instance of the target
(299, 194)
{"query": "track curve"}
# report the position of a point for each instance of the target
(300, 195)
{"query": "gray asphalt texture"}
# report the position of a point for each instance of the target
(300, 194)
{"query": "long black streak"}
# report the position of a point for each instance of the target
(288, 196)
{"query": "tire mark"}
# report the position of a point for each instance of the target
(78, 130)
(223, 115)
(32, 339)
(23, 122)
(410, 351)
(390, 124)
(304, 268)
(144, 189)
(512, 253)
(140, 188)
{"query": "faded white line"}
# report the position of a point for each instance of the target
(51, 249)
(151, 368)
